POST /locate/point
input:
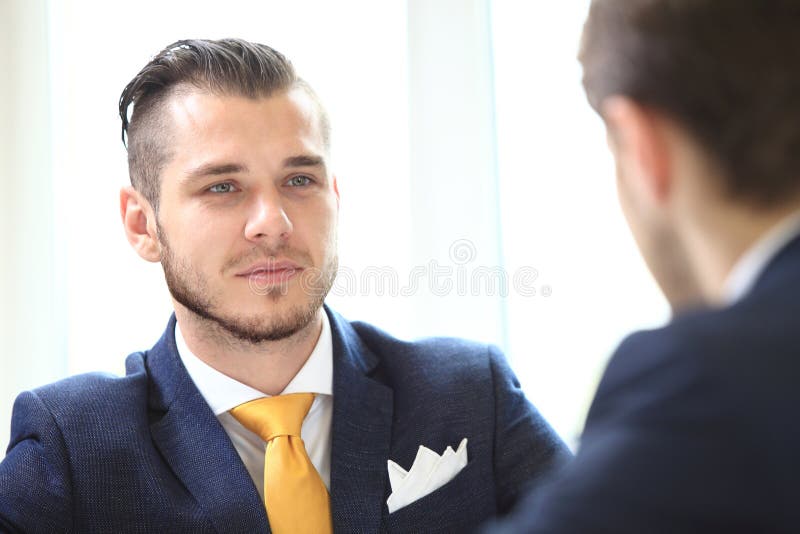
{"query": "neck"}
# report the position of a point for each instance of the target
(724, 235)
(267, 366)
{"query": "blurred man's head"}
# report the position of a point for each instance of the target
(702, 103)
(232, 189)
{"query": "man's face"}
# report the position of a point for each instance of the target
(248, 212)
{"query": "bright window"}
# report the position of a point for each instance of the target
(560, 214)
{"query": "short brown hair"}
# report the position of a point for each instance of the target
(727, 70)
(225, 67)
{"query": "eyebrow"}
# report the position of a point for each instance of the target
(215, 169)
(304, 160)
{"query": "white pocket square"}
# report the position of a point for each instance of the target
(428, 473)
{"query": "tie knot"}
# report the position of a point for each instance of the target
(274, 416)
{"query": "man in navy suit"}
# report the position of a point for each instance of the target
(232, 194)
(693, 427)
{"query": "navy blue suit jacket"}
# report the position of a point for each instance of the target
(693, 428)
(144, 452)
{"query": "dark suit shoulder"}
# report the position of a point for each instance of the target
(431, 366)
(95, 404)
(446, 351)
(746, 350)
(761, 332)
(691, 428)
(90, 392)
(723, 384)
(687, 419)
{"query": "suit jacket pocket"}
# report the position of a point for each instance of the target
(461, 505)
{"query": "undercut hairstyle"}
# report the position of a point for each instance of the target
(227, 67)
(727, 71)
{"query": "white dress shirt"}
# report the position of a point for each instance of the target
(223, 393)
(752, 263)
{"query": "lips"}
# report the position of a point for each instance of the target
(269, 266)
(270, 272)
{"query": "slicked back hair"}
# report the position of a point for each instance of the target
(728, 71)
(224, 67)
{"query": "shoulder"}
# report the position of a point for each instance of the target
(694, 405)
(85, 400)
(753, 334)
(733, 359)
(438, 358)
(86, 387)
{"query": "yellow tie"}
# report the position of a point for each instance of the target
(294, 494)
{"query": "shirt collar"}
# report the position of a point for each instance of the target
(222, 392)
(754, 261)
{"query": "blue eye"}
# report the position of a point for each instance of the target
(225, 187)
(299, 181)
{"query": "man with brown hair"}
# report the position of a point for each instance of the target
(260, 409)
(693, 425)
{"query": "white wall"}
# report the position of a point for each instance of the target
(455, 223)
(31, 326)
(560, 214)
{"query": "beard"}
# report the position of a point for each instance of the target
(190, 288)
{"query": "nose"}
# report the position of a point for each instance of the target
(267, 221)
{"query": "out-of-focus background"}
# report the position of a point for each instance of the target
(478, 196)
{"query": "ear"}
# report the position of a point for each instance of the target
(638, 140)
(139, 221)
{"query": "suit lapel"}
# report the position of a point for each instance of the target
(196, 446)
(362, 424)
